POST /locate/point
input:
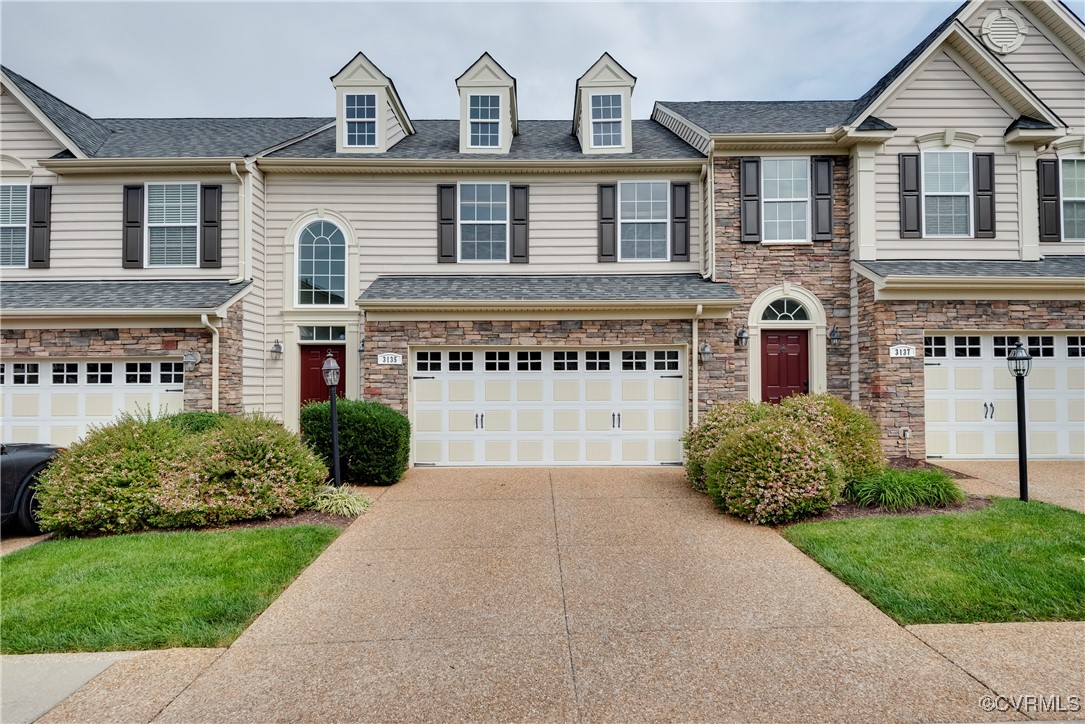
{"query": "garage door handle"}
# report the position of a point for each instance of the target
(992, 410)
(476, 420)
(985, 410)
(482, 421)
(619, 421)
(612, 421)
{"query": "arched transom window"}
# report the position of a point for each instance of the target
(785, 310)
(322, 264)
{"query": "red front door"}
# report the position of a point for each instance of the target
(312, 379)
(785, 366)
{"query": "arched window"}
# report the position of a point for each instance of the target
(785, 310)
(322, 264)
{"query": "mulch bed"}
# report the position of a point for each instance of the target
(903, 463)
(844, 510)
(305, 517)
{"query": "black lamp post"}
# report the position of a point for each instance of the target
(330, 370)
(1020, 364)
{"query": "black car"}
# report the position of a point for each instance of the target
(20, 464)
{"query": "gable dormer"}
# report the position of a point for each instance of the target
(369, 115)
(487, 107)
(603, 109)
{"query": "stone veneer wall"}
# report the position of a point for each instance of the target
(144, 342)
(389, 384)
(823, 268)
(891, 389)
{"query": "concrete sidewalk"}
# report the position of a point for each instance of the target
(581, 595)
(1061, 482)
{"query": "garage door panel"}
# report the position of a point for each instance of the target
(635, 451)
(635, 420)
(427, 391)
(529, 420)
(599, 420)
(64, 405)
(462, 420)
(498, 451)
(24, 405)
(529, 390)
(97, 405)
(461, 451)
(498, 391)
(1075, 377)
(968, 411)
(1041, 411)
(1041, 442)
(567, 391)
(634, 390)
(598, 390)
(567, 420)
(498, 420)
(968, 378)
(1076, 409)
(529, 451)
(1077, 442)
(567, 451)
(63, 435)
(668, 390)
(461, 390)
(428, 421)
(1041, 378)
(667, 421)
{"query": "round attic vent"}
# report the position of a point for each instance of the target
(1003, 31)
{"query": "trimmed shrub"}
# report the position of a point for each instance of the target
(197, 421)
(107, 482)
(340, 501)
(243, 469)
(850, 432)
(899, 490)
(773, 471)
(715, 425)
(374, 439)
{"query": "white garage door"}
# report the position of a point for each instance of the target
(515, 406)
(55, 401)
(971, 399)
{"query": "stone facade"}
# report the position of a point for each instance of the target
(145, 342)
(389, 384)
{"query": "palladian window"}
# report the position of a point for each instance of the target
(322, 264)
(785, 310)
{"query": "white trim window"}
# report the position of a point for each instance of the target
(947, 193)
(173, 230)
(322, 265)
(1072, 198)
(643, 221)
(484, 222)
(360, 111)
(606, 120)
(785, 199)
(485, 115)
(14, 223)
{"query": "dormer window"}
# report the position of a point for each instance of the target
(361, 119)
(485, 121)
(606, 120)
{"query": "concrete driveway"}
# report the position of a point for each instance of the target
(554, 595)
(1061, 482)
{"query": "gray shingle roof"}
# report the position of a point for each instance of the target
(200, 137)
(148, 295)
(1029, 123)
(1051, 267)
(719, 117)
(538, 141)
(84, 131)
(568, 288)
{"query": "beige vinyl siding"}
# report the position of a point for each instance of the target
(394, 129)
(85, 242)
(24, 138)
(1042, 66)
(262, 377)
(944, 96)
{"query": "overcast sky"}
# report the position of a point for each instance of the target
(159, 59)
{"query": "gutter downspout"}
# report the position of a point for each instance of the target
(243, 227)
(696, 362)
(214, 361)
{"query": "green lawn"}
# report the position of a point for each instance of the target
(148, 591)
(1012, 561)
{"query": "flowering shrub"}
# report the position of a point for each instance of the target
(705, 437)
(374, 439)
(773, 471)
(849, 431)
(197, 420)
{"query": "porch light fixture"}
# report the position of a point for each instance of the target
(330, 370)
(1020, 363)
(743, 337)
(834, 336)
(277, 350)
(190, 360)
(705, 352)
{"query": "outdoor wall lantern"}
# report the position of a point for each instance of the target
(743, 337)
(330, 370)
(1020, 364)
(834, 336)
(277, 350)
(705, 352)
(190, 360)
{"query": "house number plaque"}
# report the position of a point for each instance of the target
(389, 358)
(902, 350)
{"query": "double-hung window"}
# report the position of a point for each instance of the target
(947, 193)
(606, 120)
(14, 220)
(361, 119)
(485, 116)
(1073, 199)
(173, 224)
(484, 222)
(785, 199)
(643, 216)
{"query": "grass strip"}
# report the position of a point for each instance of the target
(148, 591)
(1012, 561)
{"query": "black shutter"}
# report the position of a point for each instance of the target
(608, 222)
(446, 224)
(679, 222)
(1048, 181)
(40, 202)
(749, 185)
(518, 253)
(132, 244)
(983, 175)
(821, 173)
(211, 227)
(911, 225)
